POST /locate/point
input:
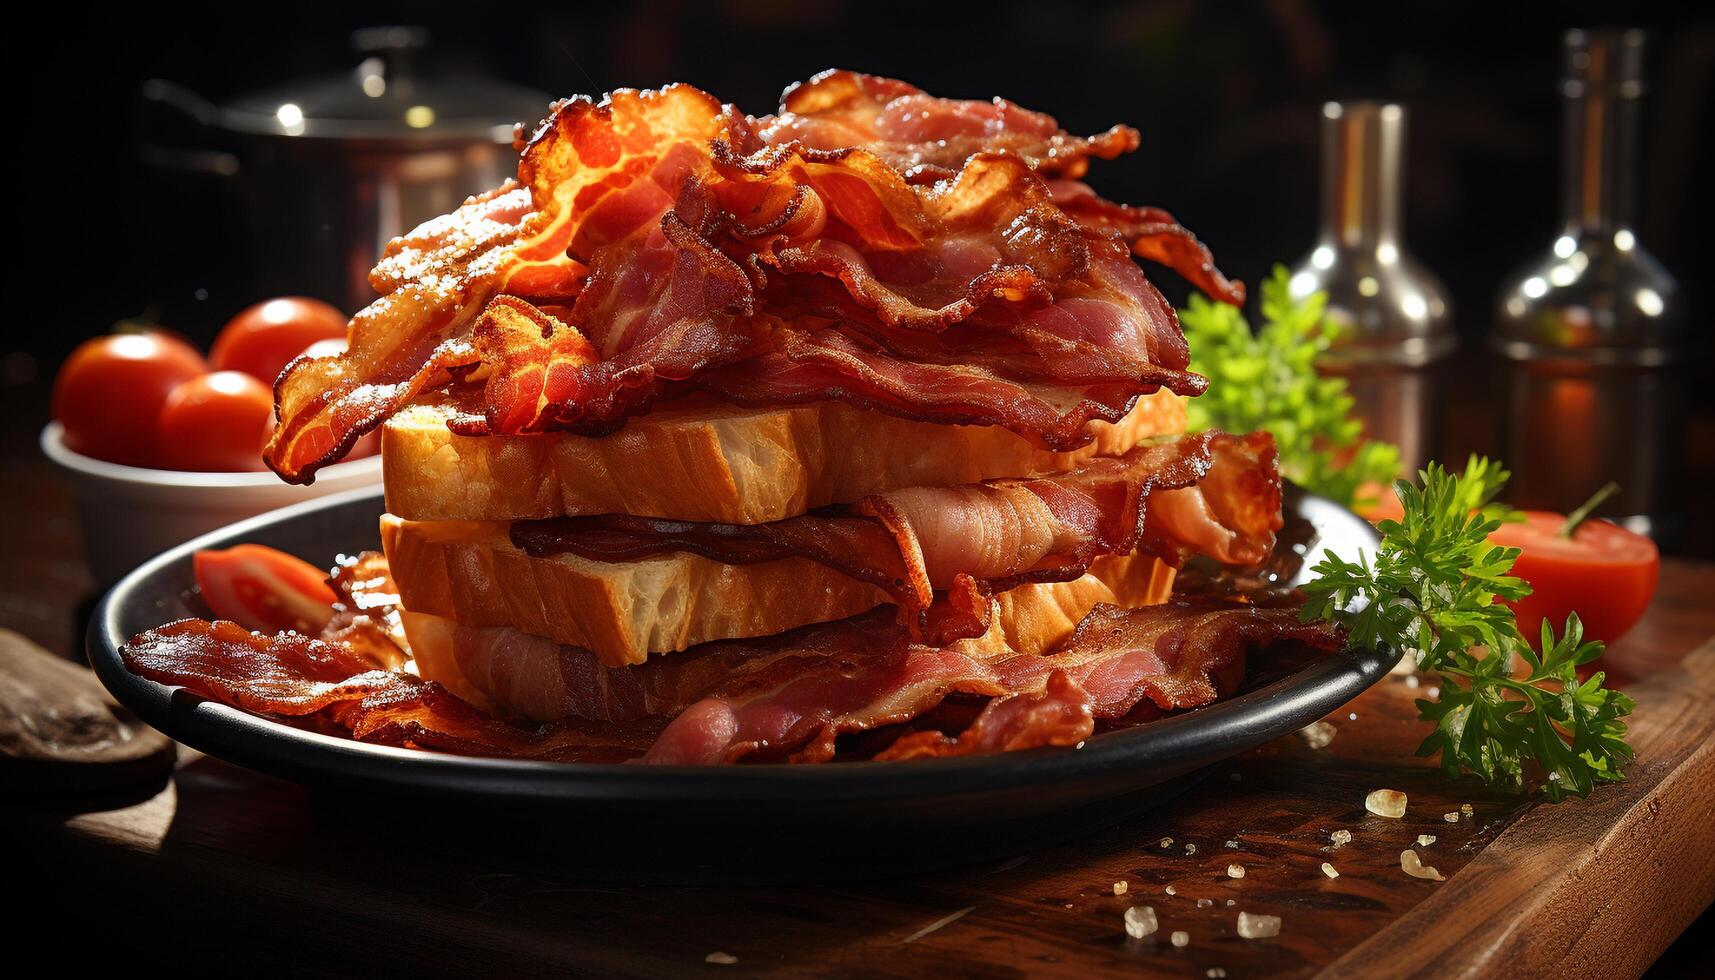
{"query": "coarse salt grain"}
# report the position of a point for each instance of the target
(1120, 887)
(1352, 717)
(1140, 921)
(1318, 735)
(1235, 871)
(1204, 903)
(1328, 869)
(1214, 972)
(1258, 926)
(1434, 692)
(1181, 939)
(1190, 849)
(1341, 837)
(1388, 803)
(1166, 842)
(1450, 817)
(1233, 844)
(1412, 681)
(1171, 890)
(724, 959)
(1424, 840)
(1413, 865)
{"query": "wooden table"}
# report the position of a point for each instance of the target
(251, 871)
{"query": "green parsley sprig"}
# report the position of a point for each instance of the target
(1267, 379)
(1433, 591)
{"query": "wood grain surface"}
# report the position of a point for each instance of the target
(298, 880)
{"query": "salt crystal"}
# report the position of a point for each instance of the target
(1413, 865)
(1258, 926)
(1214, 972)
(1318, 735)
(1450, 817)
(724, 959)
(1166, 842)
(1352, 717)
(1328, 869)
(1140, 921)
(1434, 692)
(1233, 844)
(1171, 890)
(1388, 803)
(1341, 837)
(1231, 903)
(1119, 887)
(1181, 939)
(1204, 903)
(1235, 871)
(1412, 681)
(1424, 840)
(1190, 849)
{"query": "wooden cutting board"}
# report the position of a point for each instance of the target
(231, 866)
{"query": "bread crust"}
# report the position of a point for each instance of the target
(716, 462)
(470, 572)
(1030, 619)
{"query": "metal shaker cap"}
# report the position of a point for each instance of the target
(1394, 310)
(1603, 62)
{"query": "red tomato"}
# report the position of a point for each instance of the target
(263, 339)
(110, 391)
(1384, 505)
(263, 589)
(216, 422)
(1604, 573)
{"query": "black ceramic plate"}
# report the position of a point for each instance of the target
(772, 820)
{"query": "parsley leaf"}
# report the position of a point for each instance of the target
(1267, 379)
(1432, 591)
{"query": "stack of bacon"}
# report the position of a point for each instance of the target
(920, 264)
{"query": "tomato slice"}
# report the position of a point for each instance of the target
(1604, 573)
(261, 588)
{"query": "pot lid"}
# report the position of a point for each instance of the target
(387, 97)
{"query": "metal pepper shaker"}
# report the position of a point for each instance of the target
(1590, 332)
(1394, 314)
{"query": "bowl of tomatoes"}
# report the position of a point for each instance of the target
(160, 444)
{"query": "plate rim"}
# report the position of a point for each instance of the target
(1275, 709)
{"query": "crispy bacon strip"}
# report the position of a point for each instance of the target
(924, 136)
(1058, 714)
(790, 696)
(918, 265)
(1152, 233)
(588, 179)
(331, 685)
(1209, 493)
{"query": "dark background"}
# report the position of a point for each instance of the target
(1225, 94)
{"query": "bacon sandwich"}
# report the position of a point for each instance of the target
(850, 430)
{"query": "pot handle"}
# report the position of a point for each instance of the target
(171, 98)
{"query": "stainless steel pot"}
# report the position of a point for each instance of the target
(330, 168)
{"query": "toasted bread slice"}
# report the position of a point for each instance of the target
(503, 669)
(714, 462)
(470, 572)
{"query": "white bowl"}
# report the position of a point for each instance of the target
(131, 513)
